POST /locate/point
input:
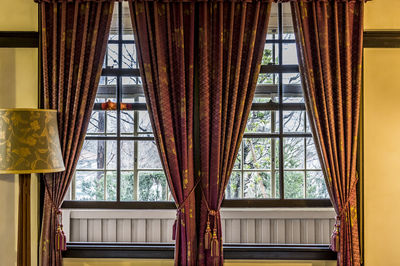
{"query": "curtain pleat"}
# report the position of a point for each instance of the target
(231, 43)
(164, 37)
(74, 40)
(329, 39)
(219, 58)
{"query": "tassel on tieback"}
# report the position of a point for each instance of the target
(214, 244)
(211, 240)
(174, 229)
(61, 239)
(207, 235)
(335, 241)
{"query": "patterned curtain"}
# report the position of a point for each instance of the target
(220, 59)
(329, 38)
(164, 35)
(231, 43)
(74, 42)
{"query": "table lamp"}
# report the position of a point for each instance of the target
(29, 143)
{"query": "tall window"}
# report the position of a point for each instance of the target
(277, 159)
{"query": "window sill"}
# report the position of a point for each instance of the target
(231, 251)
(239, 203)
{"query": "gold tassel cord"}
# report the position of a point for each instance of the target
(207, 235)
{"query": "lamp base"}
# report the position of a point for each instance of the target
(24, 221)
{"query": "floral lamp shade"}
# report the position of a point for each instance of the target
(29, 142)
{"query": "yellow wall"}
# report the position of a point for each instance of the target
(382, 156)
(18, 88)
(382, 140)
(18, 15)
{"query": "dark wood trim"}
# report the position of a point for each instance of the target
(166, 251)
(276, 203)
(19, 39)
(372, 39)
(239, 203)
(72, 204)
(381, 39)
(279, 252)
(121, 72)
(24, 221)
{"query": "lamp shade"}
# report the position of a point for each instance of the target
(29, 142)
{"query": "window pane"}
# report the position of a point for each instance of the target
(259, 121)
(97, 123)
(112, 55)
(293, 121)
(273, 23)
(127, 186)
(111, 158)
(287, 22)
(312, 155)
(289, 54)
(294, 185)
(293, 153)
(89, 185)
(107, 90)
(276, 194)
(292, 90)
(270, 54)
(127, 155)
(127, 31)
(257, 185)
(127, 122)
(308, 127)
(238, 162)
(114, 24)
(131, 89)
(263, 121)
(270, 79)
(92, 155)
(234, 188)
(152, 186)
(111, 186)
(316, 187)
(129, 56)
(148, 155)
(111, 122)
(257, 153)
(144, 122)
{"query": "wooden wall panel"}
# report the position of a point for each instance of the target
(269, 227)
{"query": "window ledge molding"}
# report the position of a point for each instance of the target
(226, 213)
(228, 203)
(231, 251)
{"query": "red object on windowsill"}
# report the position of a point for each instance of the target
(109, 105)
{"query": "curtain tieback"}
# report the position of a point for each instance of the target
(61, 239)
(211, 240)
(335, 237)
(180, 207)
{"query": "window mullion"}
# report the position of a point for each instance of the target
(281, 157)
(136, 154)
(119, 98)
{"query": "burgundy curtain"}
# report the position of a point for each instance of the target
(74, 42)
(330, 37)
(221, 57)
(231, 43)
(164, 35)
